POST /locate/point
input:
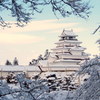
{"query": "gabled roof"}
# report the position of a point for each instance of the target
(68, 33)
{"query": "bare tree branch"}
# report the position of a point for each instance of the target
(96, 29)
(24, 10)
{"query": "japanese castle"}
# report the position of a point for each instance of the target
(67, 55)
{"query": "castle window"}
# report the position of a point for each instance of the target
(70, 38)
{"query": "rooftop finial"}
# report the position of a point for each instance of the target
(72, 30)
(63, 31)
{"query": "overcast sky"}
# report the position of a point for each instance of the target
(42, 32)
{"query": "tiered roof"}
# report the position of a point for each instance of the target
(67, 33)
(68, 47)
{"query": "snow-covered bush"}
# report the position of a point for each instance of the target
(6, 92)
(28, 89)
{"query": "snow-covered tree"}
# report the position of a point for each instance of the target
(90, 90)
(8, 62)
(46, 55)
(23, 10)
(15, 62)
(40, 57)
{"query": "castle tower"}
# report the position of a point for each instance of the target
(68, 54)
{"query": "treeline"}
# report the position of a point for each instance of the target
(15, 62)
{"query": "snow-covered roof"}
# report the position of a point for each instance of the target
(68, 41)
(68, 33)
(78, 48)
(72, 48)
(19, 68)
